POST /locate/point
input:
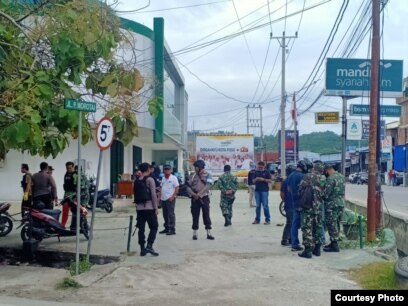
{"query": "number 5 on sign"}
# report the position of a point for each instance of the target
(105, 133)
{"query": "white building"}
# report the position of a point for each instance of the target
(162, 139)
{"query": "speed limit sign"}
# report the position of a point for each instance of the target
(105, 133)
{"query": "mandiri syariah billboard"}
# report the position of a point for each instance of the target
(218, 150)
(352, 77)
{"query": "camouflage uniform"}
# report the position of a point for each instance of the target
(334, 203)
(227, 181)
(311, 223)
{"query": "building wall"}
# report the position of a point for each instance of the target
(138, 52)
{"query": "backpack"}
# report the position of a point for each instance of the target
(306, 194)
(141, 191)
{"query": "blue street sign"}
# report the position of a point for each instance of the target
(385, 110)
(351, 77)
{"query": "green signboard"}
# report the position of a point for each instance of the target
(386, 110)
(352, 77)
(79, 105)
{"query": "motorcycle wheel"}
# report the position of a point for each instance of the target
(108, 207)
(85, 228)
(6, 225)
(282, 208)
(25, 236)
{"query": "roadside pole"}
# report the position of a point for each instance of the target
(343, 139)
(78, 194)
(95, 199)
(372, 198)
(105, 134)
(86, 106)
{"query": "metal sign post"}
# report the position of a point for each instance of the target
(86, 106)
(78, 194)
(105, 134)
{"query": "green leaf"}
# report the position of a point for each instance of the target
(11, 111)
(46, 90)
(35, 116)
(107, 80)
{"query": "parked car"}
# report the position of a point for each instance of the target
(360, 178)
(399, 178)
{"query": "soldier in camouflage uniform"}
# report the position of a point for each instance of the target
(228, 185)
(334, 204)
(311, 223)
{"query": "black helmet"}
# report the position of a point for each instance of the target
(199, 164)
(290, 168)
(305, 165)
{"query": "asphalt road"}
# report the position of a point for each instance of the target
(395, 198)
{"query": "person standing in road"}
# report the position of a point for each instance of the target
(199, 185)
(286, 197)
(310, 200)
(228, 185)
(334, 192)
(70, 188)
(44, 188)
(26, 184)
(294, 179)
(251, 187)
(262, 180)
(147, 209)
(168, 193)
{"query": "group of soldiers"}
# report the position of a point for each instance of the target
(318, 200)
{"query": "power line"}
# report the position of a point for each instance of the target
(140, 10)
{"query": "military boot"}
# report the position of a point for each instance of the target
(149, 249)
(226, 223)
(307, 253)
(316, 250)
(143, 251)
(332, 247)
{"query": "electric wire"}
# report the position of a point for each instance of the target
(141, 10)
(247, 44)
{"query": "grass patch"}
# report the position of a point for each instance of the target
(68, 283)
(378, 275)
(84, 266)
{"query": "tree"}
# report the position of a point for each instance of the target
(58, 49)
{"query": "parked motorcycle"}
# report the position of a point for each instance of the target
(103, 200)
(45, 222)
(6, 221)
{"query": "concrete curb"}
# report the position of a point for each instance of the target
(395, 222)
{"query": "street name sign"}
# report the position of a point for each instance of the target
(327, 117)
(385, 110)
(79, 105)
(351, 77)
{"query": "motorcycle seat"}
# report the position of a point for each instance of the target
(55, 213)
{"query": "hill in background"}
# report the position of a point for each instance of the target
(318, 142)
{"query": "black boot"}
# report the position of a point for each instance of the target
(226, 223)
(149, 249)
(307, 253)
(285, 242)
(143, 251)
(165, 231)
(316, 250)
(332, 247)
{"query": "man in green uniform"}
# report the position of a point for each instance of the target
(310, 200)
(334, 205)
(228, 185)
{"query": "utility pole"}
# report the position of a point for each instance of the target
(373, 188)
(282, 42)
(343, 138)
(256, 123)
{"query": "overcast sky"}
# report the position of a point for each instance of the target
(235, 66)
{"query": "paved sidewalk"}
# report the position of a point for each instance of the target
(244, 265)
